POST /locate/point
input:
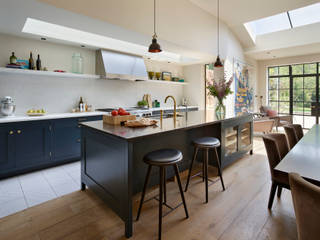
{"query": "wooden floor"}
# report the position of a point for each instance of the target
(238, 213)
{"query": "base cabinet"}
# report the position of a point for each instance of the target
(32, 145)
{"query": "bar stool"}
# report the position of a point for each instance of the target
(162, 159)
(205, 143)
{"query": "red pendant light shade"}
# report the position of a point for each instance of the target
(218, 62)
(154, 46)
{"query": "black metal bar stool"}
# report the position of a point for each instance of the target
(205, 143)
(163, 158)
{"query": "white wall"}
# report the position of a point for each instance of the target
(62, 94)
(263, 65)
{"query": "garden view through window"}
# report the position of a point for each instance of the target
(292, 89)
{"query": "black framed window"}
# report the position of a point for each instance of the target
(292, 89)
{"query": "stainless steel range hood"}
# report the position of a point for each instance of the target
(120, 66)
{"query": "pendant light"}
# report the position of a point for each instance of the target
(154, 46)
(218, 62)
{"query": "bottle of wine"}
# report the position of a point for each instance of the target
(38, 63)
(31, 62)
(13, 59)
(81, 105)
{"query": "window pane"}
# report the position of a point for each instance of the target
(273, 71)
(273, 83)
(284, 70)
(305, 15)
(284, 107)
(284, 82)
(274, 106)
(297, 69)
(310, 68)
(297, 94)
(297, 82)
(310, 82)
(298, 108)
(310, 95)
(284, 95)
(307, 108)
(273, 95)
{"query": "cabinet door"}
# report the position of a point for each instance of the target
(6, 148)
(245, 135)
(66, 139)
(32, 143)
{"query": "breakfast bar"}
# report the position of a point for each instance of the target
(112, 165)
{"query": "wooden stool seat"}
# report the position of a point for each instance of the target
(162, 159)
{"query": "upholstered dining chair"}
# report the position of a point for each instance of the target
(291, 135)
(294, 133)
(277, 148)
(306, 202)
(298, 130)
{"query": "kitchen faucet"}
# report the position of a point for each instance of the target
(174, 107)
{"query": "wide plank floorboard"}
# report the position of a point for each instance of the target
(238, 213)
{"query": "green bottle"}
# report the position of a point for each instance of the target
(13, 59)
(31, 62)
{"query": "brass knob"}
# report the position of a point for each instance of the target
(11, 132)
(19, 131)
(79, 140)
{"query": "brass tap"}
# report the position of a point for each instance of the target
(174, 107)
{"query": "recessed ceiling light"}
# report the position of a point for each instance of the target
(274, 56)
(268, 52)
(43, 39)
(83, 46)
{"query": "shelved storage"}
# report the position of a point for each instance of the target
(24, 72)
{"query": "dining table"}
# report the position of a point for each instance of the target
(304, 157)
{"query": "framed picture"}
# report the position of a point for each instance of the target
(166, 76)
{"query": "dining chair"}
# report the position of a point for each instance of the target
(298, 130)
(306, 202)
(291, 135)
(277, 148)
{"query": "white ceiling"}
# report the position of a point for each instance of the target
(237, 12)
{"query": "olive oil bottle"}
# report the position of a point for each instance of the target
(38, 63)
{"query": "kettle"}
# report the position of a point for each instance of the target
(7, 106)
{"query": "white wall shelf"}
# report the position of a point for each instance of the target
(46, 73)
(164, 82)
(10, 71)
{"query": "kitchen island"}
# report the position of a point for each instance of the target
(112, 163)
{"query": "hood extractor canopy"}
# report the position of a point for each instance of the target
(120, 66)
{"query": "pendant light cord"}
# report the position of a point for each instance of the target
(154, 18)
(218, 26)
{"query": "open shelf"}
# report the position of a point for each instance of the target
(46, 73)
(165, 82)
(4, 70)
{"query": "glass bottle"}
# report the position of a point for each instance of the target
(77, 63)
(31, 62)
(13, 59)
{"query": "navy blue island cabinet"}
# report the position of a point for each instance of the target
(33, 145)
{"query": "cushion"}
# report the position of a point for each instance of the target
(271, 113)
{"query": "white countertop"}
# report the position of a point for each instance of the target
(25, 117)
(21, 118)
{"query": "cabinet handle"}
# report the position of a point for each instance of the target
(11, 132)
(19, 131)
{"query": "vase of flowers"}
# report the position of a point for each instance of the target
(220, 89)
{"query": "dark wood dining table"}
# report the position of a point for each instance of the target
(304, 157)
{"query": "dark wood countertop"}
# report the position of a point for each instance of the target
(188, 120)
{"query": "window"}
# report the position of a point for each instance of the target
(292, 89)
(283, 21)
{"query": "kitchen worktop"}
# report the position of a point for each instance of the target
(22, 118)
(25, 117)
(186, 121)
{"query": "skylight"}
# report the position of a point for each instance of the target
(284, 21)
